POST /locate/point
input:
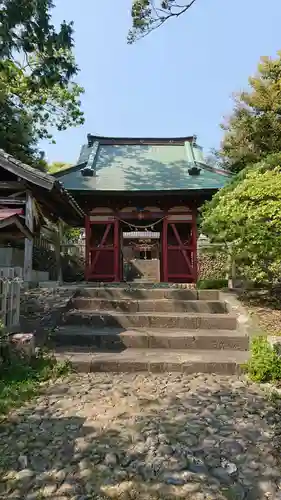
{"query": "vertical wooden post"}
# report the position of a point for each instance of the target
(116, 250)
(87, 246)
(121, 254)
(17, 304)
(28, 244)
(194, 245)
(165, 250)
(58, 252)
(231, 269)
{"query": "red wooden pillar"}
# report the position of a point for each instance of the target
(194, 245)
(116, 244)
(87, 246)
(165, 249)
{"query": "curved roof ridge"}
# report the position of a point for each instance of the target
(139, 140)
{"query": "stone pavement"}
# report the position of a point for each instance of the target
(142, 437)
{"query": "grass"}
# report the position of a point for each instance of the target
(21, 381)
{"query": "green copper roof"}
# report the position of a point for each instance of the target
(141, 167)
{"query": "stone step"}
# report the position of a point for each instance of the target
(155, 361)
(143, 282)
(143, 305)
(137, 293)
(205, 321)
(116, 339)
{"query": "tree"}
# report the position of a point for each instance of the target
(245, 217)
(214, 159)
(148, 15)
(37, 72)
(16, 136)
(69, 234)
(254, 129)
(56, 166)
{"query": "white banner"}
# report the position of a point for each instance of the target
(146, 235)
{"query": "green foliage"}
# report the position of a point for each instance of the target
(21, 381)
(254, 128)
(245, 217)
(148, 15)
(264, 364)
(212, 284)
(71, 234)
(26, 28)
(3, 336)
(37, 71)
(60, 233)
(56, 166)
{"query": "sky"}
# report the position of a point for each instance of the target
(178, 81)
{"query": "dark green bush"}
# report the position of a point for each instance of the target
(264, 364)
(212, 284)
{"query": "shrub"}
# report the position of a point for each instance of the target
(265, 363)
(212, 284)
(245, 215)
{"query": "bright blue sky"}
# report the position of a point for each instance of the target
(177, 81)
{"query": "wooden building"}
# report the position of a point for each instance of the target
(141, 198)
(27, 198)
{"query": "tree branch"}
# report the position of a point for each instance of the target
(157, 16)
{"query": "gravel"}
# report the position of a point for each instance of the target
(142, 437)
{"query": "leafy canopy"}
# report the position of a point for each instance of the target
(148, 15)
(37, 76)
(16, 135)
(57, 166)
(245, 217)
(253, 131)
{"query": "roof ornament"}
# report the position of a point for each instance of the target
(194, 170)
(90, 140)
(89, 171)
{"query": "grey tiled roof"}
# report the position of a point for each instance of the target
(142, 167)
(38, 178)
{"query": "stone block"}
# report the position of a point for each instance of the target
(24, 344)
(275, 342)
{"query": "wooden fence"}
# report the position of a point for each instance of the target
(10, 290)
(41, 242)
(75, 249)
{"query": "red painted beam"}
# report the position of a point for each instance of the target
(116, 250)
(87, 253)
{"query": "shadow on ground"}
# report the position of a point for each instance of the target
(142, 437)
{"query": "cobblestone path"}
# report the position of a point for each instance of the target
(142, 437)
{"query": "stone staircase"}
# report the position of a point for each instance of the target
(138, 328)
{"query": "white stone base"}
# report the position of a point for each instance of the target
(24, 343)
(275, 342)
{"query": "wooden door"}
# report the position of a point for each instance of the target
(102, 250)
(179, 250)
